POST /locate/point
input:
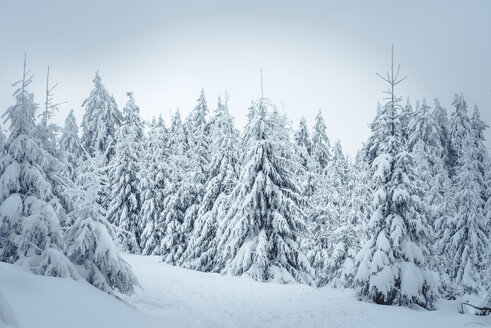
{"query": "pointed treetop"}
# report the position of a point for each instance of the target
(393, 79)
(97, 78)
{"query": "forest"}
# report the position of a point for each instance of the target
(405, 222)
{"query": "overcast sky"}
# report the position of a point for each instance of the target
(314, 55)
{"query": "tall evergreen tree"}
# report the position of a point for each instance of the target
(478, 128)
(441, 119)
(125, 205)
(460, 128)
(70, 144)
(90, 238)
(465, 237)
(223, 172)
(320, 143)
(29, 225)
(180, 194)
(155, 171)
(333, 245)
(259, 236)
(303, 142)
(391, 267)
(101, 121)
(190, 189)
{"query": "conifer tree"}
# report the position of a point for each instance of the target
(90, 238)
(30, 231)
(155, 171)
(465, 237)
(223, 176)
(182, 204)
(391, 267)
(259, 236)
(303, 142)
(460, 128)
(180, 194)
(70, 144)
(101, 121)
(320, 144)
(125, 205)
(441, 119)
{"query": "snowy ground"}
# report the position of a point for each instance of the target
(174, 297)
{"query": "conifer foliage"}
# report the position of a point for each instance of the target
(260, 233)
(124, 208)
(392, 266)
(407, 218)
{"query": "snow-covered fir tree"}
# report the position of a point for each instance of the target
(342, 246)
(460, 128)
(440, 117)
(125, 205)
(303, 142)
(197, 136)
(90, 238)
(432, 177)
(259, 235)
(30, 231)
(70, 144)
(223, 175)
(320, 144)
(180, 194)
(154, 171)
(478, 127)
(392, 265)
(464, 235)
(358, 213)
(101, 120)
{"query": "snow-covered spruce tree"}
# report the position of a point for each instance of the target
(154, 168)
(332, 247)
(345, 226)
(223, 175)
(465, 237)
(478, 127)
(321, 146)
(391, 267)
(315, 191)
(180, 194)
(460, 128)
(425, 144)
(59, 172)
(30, 231)
(190, 172)
(124, 207)
(259, 236)
(358, 212)
(90, 243)
(45, 131)
(407, 113)
(441, 119)
(307, 171)
(199, 160)
(197, 135)
(101, 121)
(303, 143)
(70, 144)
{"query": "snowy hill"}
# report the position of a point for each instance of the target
(176, 297)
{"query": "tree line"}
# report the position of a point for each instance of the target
(407, 221)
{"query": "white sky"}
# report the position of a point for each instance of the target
(313, 54)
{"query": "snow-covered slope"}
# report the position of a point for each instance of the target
(46, 302)
(175, 297)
